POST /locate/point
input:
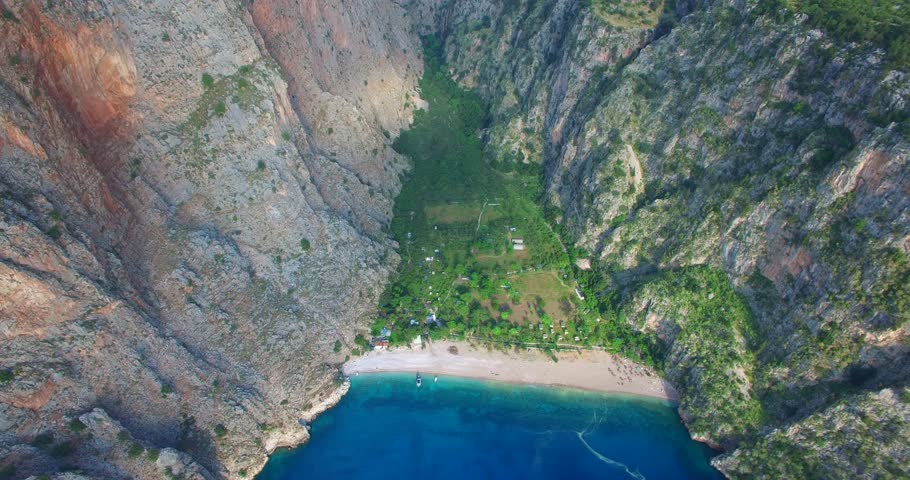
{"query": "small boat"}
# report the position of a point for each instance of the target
(419, 380)
(435, 379)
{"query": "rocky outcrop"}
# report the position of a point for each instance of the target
(195, 197)
(859, 437)
(723, 136)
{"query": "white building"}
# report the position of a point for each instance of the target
(518, 244)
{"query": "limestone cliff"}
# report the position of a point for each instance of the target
(194, 199)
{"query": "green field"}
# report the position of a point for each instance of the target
(461, 213)
(547, 291)
(543, 298)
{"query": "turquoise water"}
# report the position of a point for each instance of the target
(463, 429)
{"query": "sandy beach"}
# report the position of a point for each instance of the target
(589, 370)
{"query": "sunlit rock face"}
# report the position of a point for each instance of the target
(194, 203)
(353, 87)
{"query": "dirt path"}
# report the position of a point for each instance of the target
(638, 179)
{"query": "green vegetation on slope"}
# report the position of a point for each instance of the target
(628, 13)
(884, 23)
(840, 442)
(710, 354)
(892, 292)
(699, 331)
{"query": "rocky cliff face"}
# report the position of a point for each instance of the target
(724, 138)
(194, 198)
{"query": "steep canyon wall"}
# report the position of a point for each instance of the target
(692, 146)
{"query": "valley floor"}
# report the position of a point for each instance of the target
(585, 369)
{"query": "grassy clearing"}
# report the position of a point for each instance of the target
(533, 298)
(549, 293)
(511, 259)
(461, 213)
(628, 13)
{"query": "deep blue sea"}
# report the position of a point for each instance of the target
(464, 429)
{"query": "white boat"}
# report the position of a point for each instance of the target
(419, 380)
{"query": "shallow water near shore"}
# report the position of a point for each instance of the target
(385, 427)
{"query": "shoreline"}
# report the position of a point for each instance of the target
(589, 370)
(666, 398)
(301, 435)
